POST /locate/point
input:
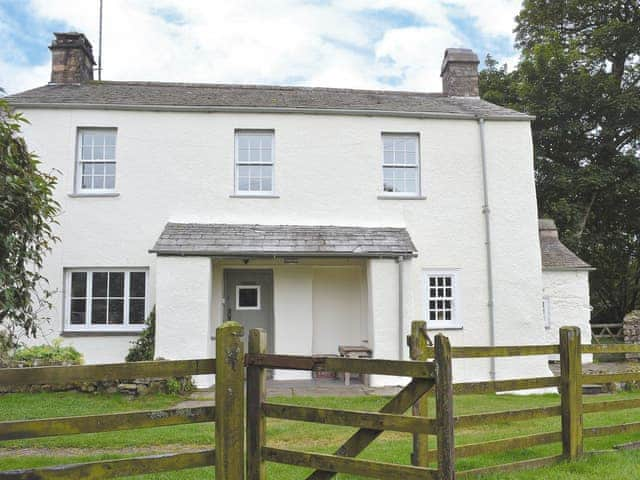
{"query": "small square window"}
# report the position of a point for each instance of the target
(442, 304)
(248, 297)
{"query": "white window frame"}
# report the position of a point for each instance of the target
(79, 161)
(546, 312)
(236, 163)
(456, 314)
(104, 328)
(417, 166)
(247, 287)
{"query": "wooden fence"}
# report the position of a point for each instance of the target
(241, 414)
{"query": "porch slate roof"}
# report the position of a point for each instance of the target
(555, 255)
(198, 96)
(282, 240)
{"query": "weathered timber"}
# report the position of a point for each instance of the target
(571, 392)
(592, 407)
(506, 416)
(418, 344)
(612, 429)
(611, 378)
(116, 468)
(363, 437)
(335, 464)
(504, 351)
(399, 368)
(115, 371)
(611, 348)
(284, 362)
(505, 385)
(230, 402)
(512, 467)
(256, 396)
(352, 365)
(505, 444)
(13, 430)
(444, 409)
(349, 418)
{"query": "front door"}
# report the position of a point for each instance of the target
(248, 299)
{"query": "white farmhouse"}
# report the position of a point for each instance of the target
(326, 216)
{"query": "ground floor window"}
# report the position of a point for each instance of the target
(442, 309)
(105, 299)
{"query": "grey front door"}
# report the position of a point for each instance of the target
(248, 299)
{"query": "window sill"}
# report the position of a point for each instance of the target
(448, 327)
(401, 197)
(101, 333)
(235, 195)
(81, 195)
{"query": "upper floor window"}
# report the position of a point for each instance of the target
(442, 302)
(96, 168)
(254, 162)
(400, 164)
(105, 299)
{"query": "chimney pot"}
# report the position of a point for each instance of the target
(71, 58)
(460, 73)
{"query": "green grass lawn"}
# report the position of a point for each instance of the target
(390, 447)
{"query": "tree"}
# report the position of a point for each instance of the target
(579, 74)
(27, 214)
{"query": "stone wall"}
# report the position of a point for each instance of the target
(631, 330)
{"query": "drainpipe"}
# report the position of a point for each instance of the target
(401, 340)
(486, 211)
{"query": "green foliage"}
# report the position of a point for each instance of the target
(579, 74)
(54, 354)
(144, 347)
(27, 213)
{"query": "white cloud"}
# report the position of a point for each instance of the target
(276, 41)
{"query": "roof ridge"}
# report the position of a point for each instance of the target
(259, 86)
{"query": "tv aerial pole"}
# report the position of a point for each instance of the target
(100, 44)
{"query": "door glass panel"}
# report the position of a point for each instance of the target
(248, 297)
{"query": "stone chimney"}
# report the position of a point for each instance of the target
(71, 58)
(460, 73)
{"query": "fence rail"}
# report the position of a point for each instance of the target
(430, 373)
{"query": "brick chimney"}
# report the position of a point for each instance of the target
(460, 73)
(71, 58)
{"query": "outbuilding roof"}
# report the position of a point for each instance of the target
(225, 97)
(555, 255)
(282, 240)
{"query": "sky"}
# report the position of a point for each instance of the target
(379, 44)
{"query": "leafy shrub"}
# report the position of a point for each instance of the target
(144, 347)
(53, 354)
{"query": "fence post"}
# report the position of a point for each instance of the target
(230, 402)
(444, 409)
(418, 351)
(571, 392)
(256, 395)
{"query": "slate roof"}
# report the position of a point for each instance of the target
(555, 255)
(282, 240)
(191, 96)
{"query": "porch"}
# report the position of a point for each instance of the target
(312, 288)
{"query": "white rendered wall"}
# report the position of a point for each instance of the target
(179, 167)
(337, 308)
(183, 310)
(568, 294)
(293, 310)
